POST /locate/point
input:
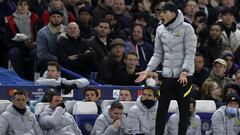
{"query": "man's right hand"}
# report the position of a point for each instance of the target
(142, 76)
(117, 123)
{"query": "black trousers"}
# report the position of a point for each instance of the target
(171, 89)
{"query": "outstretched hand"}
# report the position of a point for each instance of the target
(142, 76)
(183, 78)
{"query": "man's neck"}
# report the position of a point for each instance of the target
(103, 39)
(130, 70)
(117, 58)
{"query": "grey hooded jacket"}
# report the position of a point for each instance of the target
(104, 125)
(175, 47)
(58, 122)
(223, 124)
(13, 123)
(141, 119)
(193, 129)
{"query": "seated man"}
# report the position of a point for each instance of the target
(52, 78)
(54, 120)
(225, 121)
(18, 119)
(125, 95)
(111, 122)
(91, 95)
(194, 127)
(142, 116)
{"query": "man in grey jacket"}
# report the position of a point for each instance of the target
(175, 47)
(194, 127)
(142, 116)
(18, 119)
(54, 120)
(226, 120)
(111, 122)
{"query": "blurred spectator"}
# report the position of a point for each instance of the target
(111, 121)
(231, 66)
(142, 116)
(212, 91)
(110, 66)
(142, 19)
(231, 87)
(237, 76)
(124, 21)
(55, 120)
(213, 47)
(73, 53)
(52, 78)
(18, 119)
(71, 6)
(126, 75)
(21, 37)
(38, 6)
(103, 7)
(116, 31)
(100, 43)
(205, 7)
(84, 22)
(57, 5)
(231, 34)
(190, 8)
(46, 39)
(125, 94)
(194, 127)
(7, 7)
(225, 121)
(152, 79)
(218, 73)
(201, 73)
(138, 44)
(200, 26)
(91, 95)
(231, 4)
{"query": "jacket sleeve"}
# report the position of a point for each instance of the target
(133, 122)
(189, 45)
(82, 82)
(157, 57)
(218, 124)
(3, 125)
(199, 131)
(75, 127)
(172, 125)
(101, 129)
(36, 127)
(42, 48)
(49, 82)
(48, 121)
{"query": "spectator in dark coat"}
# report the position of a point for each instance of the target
(73, 53)
(110, 65)
(102, 8)
(100, 43)
(126, 75)
(231, 66)
(201, 73)
(213, 47)
(138, 44)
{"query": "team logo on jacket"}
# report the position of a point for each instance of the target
(177, 33)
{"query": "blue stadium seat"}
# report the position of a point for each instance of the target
(205, 109)
(85, 114)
